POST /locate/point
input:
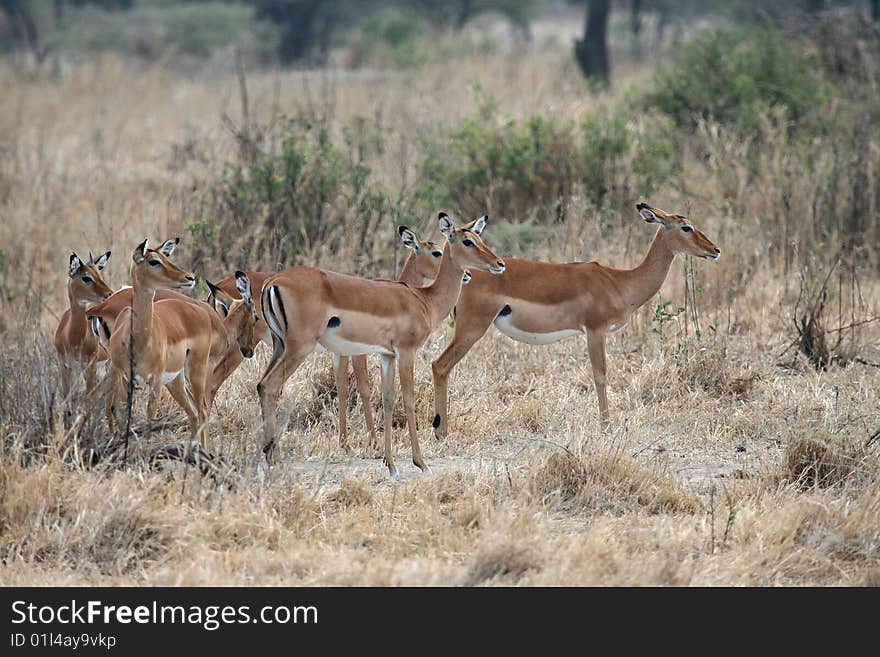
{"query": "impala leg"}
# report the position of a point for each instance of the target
(270, 386)
(115, 399)
(407, 387)
(90, 374)
(66, 379)
(177, 389)
(468, 330)
(388, 407)
(596, 347)
(340, 368)
(362, 380)
(152, 402)
(197, 377)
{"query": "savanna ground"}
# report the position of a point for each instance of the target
(731, 459)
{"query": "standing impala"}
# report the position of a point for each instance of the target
(73, 339)
(420, 268)
(539, 303)
(350, 316)
(172, 339)
(235, 334)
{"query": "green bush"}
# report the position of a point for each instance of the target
(192, 28)
(508, 168)
(532, 168)
(731, 75)
(305, 195)
(390, 37)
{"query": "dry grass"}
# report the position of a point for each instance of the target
(723, 465)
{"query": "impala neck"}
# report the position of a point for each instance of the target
(142, 315)
(408, 274)
(646, 279)
(76, 326)
(442, 294)
(232, 357)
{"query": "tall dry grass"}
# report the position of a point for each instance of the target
(729, 461)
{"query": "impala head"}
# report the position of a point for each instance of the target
(86, 285)
(467, 249)
(240, 316)
(153, 270)
(424, 261)
(679, 233)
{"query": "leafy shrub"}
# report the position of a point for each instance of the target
(192, 28)
(390, 37)
(302, 194)
(731, 74)
(506, 168)
(623, 158)
(531, 169)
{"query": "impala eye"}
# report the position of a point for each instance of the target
(467, 242)
(155, 263)
(88, 280)
(436, 254)
(686, 229)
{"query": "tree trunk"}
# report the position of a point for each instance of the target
(635, 25)
(464, 13)
(591, 52)
(875, 10)
(24, 26)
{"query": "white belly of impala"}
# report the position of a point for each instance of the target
(168, 377)
(504, 325)
(338, 345)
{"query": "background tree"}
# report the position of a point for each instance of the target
(306, 26)
(591, 52)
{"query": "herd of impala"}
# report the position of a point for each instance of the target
(150, 335)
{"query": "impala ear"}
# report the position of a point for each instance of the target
(478, 225)
(648, 214)
(75, 264)
(243, 284)
(446, 226)
(466, 277)
(168, 247)
(409, 238)
(101, 262)
(221, 301)
(140, 252)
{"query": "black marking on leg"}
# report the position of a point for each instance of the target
(281, 306)
(505, 311)
(436, 421)
(334, 322)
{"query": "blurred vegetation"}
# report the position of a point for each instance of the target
(790, 110)
(734, 74)
(783, 99)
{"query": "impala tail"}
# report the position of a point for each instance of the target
(276, 317)
(100, 322)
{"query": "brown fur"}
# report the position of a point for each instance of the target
(581, 296)
(390, 316)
